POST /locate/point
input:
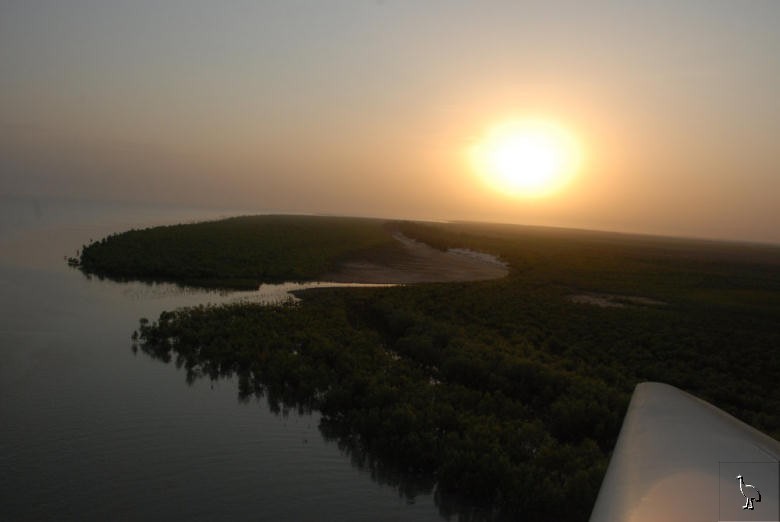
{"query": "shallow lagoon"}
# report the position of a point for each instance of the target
(92, 431)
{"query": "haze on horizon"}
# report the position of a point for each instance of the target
(368, 107)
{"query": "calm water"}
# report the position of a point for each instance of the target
(92, 431)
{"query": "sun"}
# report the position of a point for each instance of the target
(529, 158)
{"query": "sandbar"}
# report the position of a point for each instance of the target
(422, 263)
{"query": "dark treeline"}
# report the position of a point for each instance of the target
(492, 426)
(505, 392)
(238, 252)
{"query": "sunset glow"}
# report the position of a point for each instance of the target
(527, 158)
(389, 259)
(520, 112)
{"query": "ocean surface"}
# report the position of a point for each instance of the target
(91, 430)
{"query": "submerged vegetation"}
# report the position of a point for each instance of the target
(503, 392)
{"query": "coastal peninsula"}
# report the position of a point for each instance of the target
(494, 392)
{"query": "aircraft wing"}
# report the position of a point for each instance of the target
(678, 458)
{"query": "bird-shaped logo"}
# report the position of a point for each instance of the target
(750, 493)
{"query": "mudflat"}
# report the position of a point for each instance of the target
(421, 263)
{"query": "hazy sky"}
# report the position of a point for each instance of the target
(367, 107)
